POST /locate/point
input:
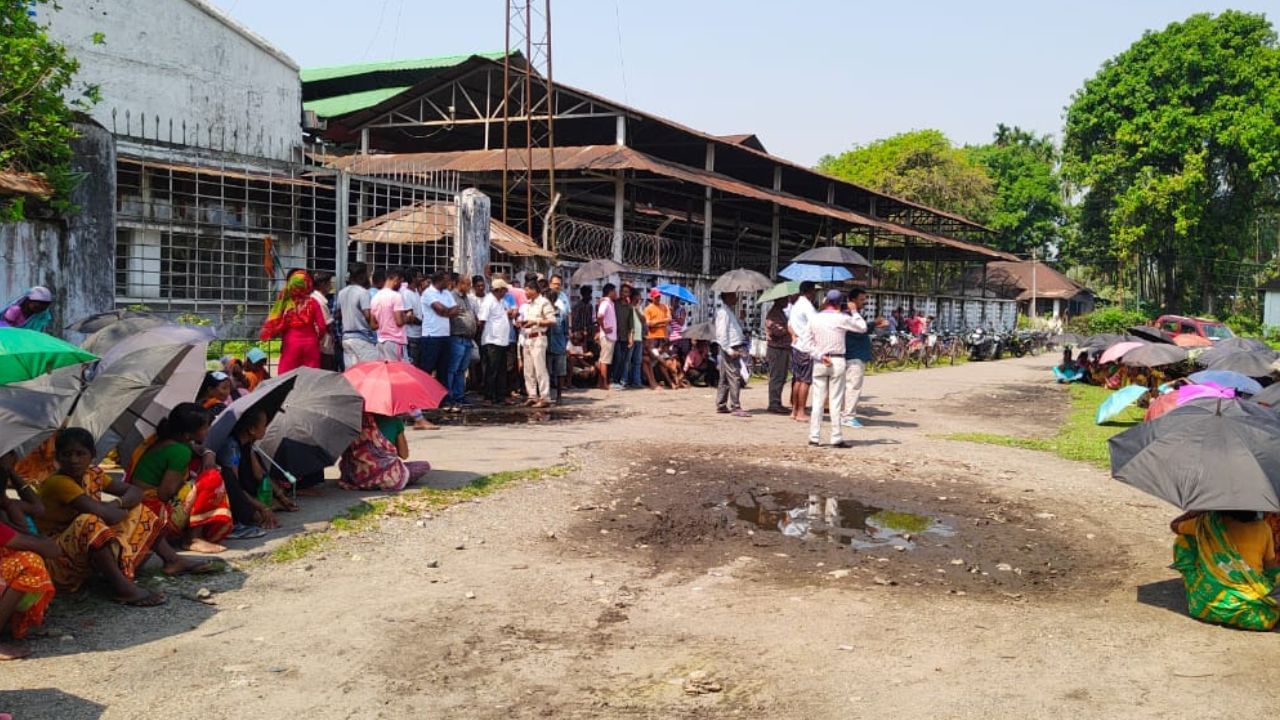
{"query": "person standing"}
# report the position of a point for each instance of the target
(359, 341)
(539, 316)
(635, 352)
(411, 293)
(389, 312)
(802, 313)
(622, 350)
(826, 342)
(475, 378)
(778, 352)
(607, 333)
(733, 344)
(657, 318)
(462, 333)
(298, 319)
(323, 281)
(675, 331)
(857, 353)
(495, 336)
(560, 337)
(438, 307)
(29, 312)
(582, 322)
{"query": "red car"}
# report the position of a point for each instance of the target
(1180, 325)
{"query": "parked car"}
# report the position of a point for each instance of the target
(1180, 325)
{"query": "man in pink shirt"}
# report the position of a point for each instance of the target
(389, 310)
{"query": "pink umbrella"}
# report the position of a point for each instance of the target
(1187, 393)
(1117, 351)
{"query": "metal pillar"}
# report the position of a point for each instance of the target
(619, 214)
(706, 213)
(341, 211)
(620, 131)
(775, 235)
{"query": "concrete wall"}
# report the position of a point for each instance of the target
(1271, 310)
(180, 71)
(74, 258)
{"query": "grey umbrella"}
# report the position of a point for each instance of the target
(741, 281)
(1255, 364)
(124, 395)
(597, 270)
(29, 416)
(162, 335)
(1240, 343)
(108, 336)
(269, 396)
(317, 422)
(1068, 338)
(1102, 341)
(1205, 455)
(1269, 397)
(832, 255)
(1151, 334)
(1154, 355)
(705, 330)
(100, 321)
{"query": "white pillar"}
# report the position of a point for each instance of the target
(619, 208)
(1057, 308)
(621, 130)
(706, 213)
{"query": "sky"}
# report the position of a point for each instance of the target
(809, 77)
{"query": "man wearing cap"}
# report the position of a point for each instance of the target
(658, 318)
(733, 345)
(802, 312)
(826, 335)
(495, 337)
(30, 312)
(538, 316)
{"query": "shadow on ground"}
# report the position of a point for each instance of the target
(1169, 595)
(48, 703)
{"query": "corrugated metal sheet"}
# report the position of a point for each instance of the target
(13, 183)
(616, 157)
(427, 222)
(343, 104)
(341, 71)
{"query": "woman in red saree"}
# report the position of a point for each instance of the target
(298, 319)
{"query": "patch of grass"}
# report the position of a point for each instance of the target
(1078, 439)
(368, 514)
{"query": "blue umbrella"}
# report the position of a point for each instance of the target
(678, 292)
(1226, 378)
(815, 273)
(1118, 401)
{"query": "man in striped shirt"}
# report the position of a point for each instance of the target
(826, 335)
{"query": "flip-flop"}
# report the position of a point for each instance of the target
(154, 599)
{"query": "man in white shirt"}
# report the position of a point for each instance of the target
(494, 319)
(537, 315)
(825, 341)
(802, 313)
(438, 306)
(411, 295)
(733, 346)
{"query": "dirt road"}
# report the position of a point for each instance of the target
(937, 580)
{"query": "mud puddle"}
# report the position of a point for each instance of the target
(844, 521)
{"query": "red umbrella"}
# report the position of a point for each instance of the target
(395, 388)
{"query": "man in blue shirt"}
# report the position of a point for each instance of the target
(857, 353)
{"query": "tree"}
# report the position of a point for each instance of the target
(35, 117)
(1028, 211)
(921, 166)
(1175, 146)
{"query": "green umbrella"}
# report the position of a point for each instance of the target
(780, 291)
(26, 354)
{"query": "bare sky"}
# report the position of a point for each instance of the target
(808, 76)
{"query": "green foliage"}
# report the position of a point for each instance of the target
(35, 118)
(1243, 324)
(921, 166)
(1027, 211)
(1078, 438)
(1110, 320)
(193, 319)
(1175, 146)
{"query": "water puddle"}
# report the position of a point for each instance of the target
(837, 520)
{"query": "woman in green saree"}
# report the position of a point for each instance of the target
(1229, 567)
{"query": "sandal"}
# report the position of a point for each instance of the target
(246, 532)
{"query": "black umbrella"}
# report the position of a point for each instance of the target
(1102, 341)
(597, 270)
(1240, 343)
(110, 335)
(1150, 334)
(741, 281)
(102, 320)
(1205, 455)
(126, 395)
(1255, 364)
(1068, 339)
(269, 396)
(1269, 397)
(832, 255)
(1154, 355)
(29, 416)
(318, 421)
(705, 330)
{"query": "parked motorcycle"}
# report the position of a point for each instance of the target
(984, 345)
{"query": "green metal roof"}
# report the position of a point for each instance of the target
(343, 104)
(341, 71)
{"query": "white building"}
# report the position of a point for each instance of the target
(1271, 304)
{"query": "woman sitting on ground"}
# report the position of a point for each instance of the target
(698, 366)
(1229, 567)
(254, 495)
(379, 458)
(111, 539)
(667, 367)
(183, 487)
(215, 392)
(25, 586)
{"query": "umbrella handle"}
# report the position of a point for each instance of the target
(288, 476)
